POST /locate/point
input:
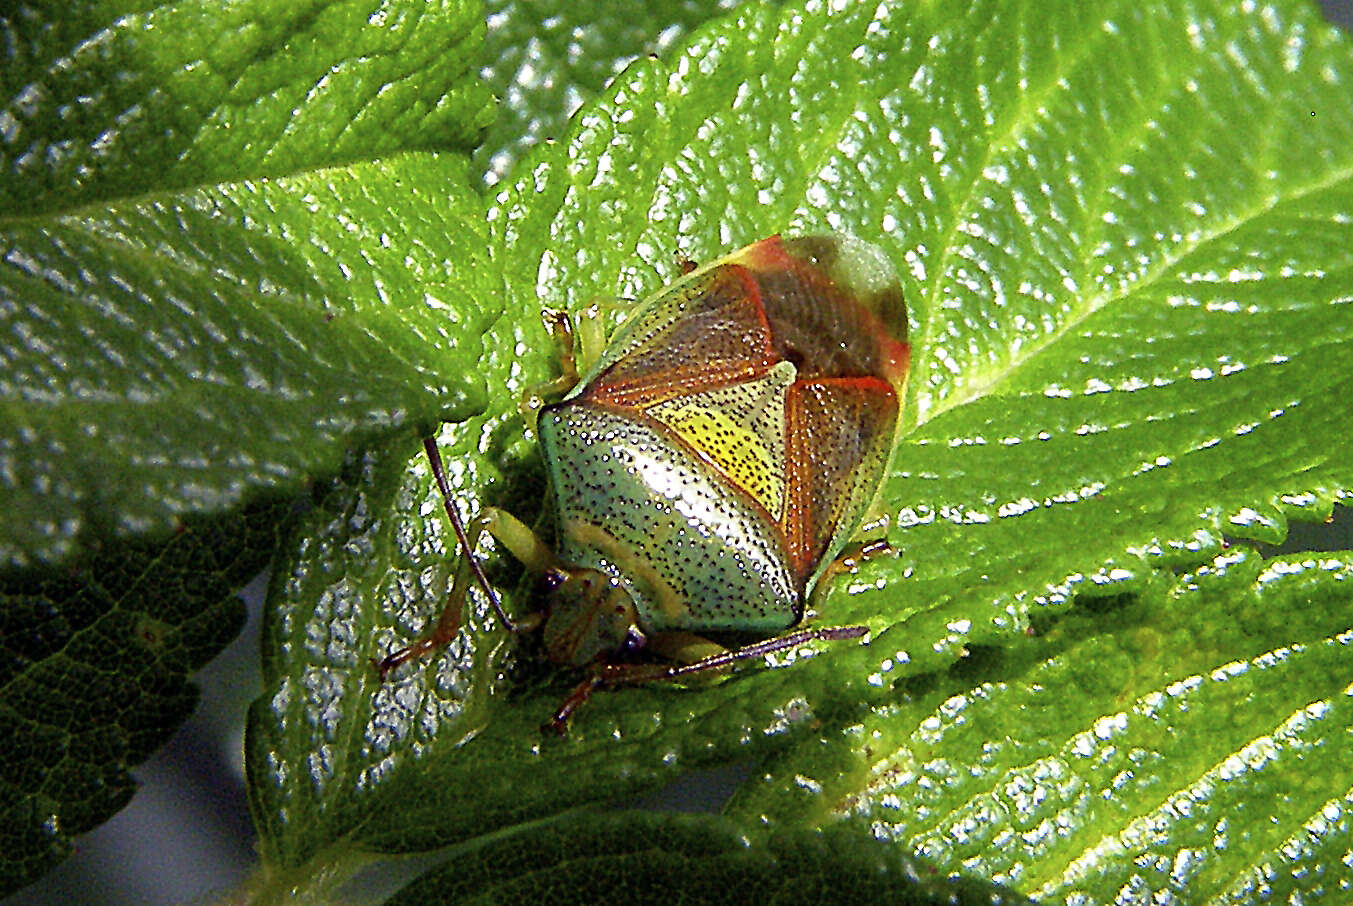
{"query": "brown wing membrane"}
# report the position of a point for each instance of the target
(715, 333)
(838, 433)
(821, 319)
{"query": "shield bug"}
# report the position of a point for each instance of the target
(710, 466)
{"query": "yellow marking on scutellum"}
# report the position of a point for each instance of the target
(735, 448)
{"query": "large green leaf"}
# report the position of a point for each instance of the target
(109, 100)
(178, 313)
(1188, 741)
(1129, 276)
(179, 356)
(173, 355)
(195, 319)
(643, 857)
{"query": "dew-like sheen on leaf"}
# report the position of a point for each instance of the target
(1185, 742)
(547, 57)
(1128, 273)
(181, 354)
(113, 100)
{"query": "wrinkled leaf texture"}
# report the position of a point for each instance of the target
(1124, 238)
(181, 348)
(1128, 276)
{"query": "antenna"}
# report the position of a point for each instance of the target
(439, 474)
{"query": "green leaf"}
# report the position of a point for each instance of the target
(1188, 741)
(178, 351)
(644, 858)
(547, 58)
(94, 663)
(166, 353)
(245, 364)
(1124, 234)
(110, 100)
(180, 354)
(1129, 277)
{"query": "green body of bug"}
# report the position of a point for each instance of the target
(716, 459)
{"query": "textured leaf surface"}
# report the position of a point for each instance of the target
(172, 355)
(645, 858)
(164, 353)
(109, 100)
(195, 320)
(1188, 742)
(94, 663)
(1129, 278)
(546, 58)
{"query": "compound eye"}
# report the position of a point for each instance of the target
(634, 641)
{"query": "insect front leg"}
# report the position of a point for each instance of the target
(579, 343)
(849, 560)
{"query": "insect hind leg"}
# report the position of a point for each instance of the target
(606, 676)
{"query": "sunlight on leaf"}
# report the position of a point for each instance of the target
(1123, 356)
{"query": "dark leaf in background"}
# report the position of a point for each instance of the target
(94, 664)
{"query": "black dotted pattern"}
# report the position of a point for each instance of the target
(634, 503)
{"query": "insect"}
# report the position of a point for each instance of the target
(710, 467)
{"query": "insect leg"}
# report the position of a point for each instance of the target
(608, 675)
(580, 342)
(448, 623)
(559, 328)
(850, 559)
